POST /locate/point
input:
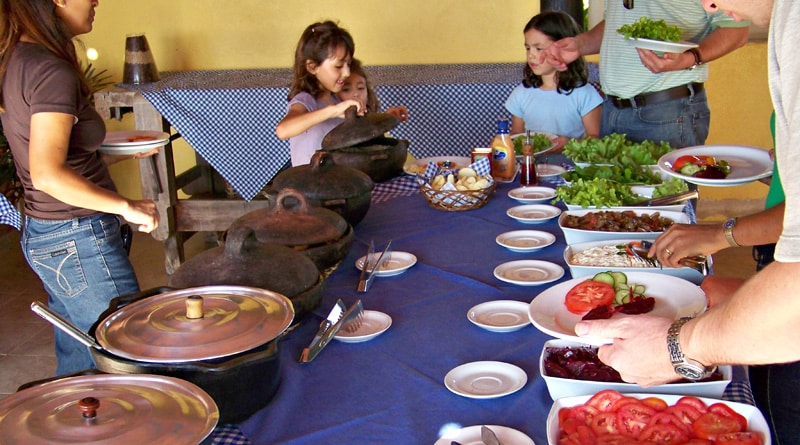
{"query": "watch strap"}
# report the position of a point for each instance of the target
(727, 229)
(697, 60)
(684, 366)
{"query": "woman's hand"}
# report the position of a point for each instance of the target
(685, 240)
(143, 213)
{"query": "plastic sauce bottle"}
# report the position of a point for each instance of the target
(504, 159)
(527, 174)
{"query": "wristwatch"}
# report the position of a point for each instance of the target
(727, 229)
(697, 60)
(684, 366)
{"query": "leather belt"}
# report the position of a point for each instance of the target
(673, 93)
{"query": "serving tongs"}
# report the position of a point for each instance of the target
(700, 263)
(369, 268)
(677, 198)
(350, 320)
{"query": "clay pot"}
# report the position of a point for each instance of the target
(343, 189)
(318, 233)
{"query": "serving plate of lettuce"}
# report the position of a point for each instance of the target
(615, 149)
(603, 193)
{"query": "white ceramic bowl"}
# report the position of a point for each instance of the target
(755, 420)
(580, 270)
(575, 236)
(560, 387)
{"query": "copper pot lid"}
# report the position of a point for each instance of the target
(109, 408)
(194, 324)
(356, 129)
(292, 221)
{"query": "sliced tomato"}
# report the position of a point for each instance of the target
(726, 411)
(587, 295)
(623, 401)
(684, 412)
(711, 425)
(632, 418)
(667, 418)
(615, 439)
(740, 438)
(663, 433)
(697, 160)
(698, 404)
(655, 403)
(584, 414)
(604, 423)
(604, 400)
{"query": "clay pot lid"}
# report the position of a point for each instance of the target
(195, 324)
(356, 129)
(291, 221)
(109, 408)
(323, 179)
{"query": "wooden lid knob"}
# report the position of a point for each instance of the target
(194, 307)
(89, 406)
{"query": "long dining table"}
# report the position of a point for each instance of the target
(390, 390)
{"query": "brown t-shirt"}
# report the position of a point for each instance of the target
(37, 81)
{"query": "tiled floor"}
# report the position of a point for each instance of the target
(26, 341)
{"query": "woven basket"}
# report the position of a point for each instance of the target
(456, 201)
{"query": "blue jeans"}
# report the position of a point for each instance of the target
(776, 389)
(681, 122)
(83, 265)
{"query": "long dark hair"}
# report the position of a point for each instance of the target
(317, 43)
(36, 19)
(373, 104)
(557, 25)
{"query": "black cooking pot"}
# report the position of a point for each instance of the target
(318, 233)
(345, 190)
(359, 142)
(244, 261)
(240, 383)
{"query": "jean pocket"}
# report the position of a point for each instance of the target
(59, 268)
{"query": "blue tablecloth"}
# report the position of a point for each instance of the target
(229, 116)
(391, 389)
(9, 214)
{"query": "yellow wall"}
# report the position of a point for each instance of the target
(229, 34)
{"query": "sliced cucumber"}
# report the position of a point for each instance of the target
(638, 289)
(604, 277)
(622, 296)
(619, 277)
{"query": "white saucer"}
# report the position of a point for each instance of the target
(549, 170)
(528, 272)
(132, 142)
(471, 435)
(525, 240)
(374, 324)
(485, 380)
(500, 315)
(532, 195)
(396, 264)
(533, 213)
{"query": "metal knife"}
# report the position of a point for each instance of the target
(489, 437)
(314, 349)
(333, 316)
(363, 284)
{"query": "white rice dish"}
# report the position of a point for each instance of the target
(607, 256)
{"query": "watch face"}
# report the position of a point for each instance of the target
(729, 224)
(690, 372)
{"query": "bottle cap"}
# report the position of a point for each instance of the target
(502, 126)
